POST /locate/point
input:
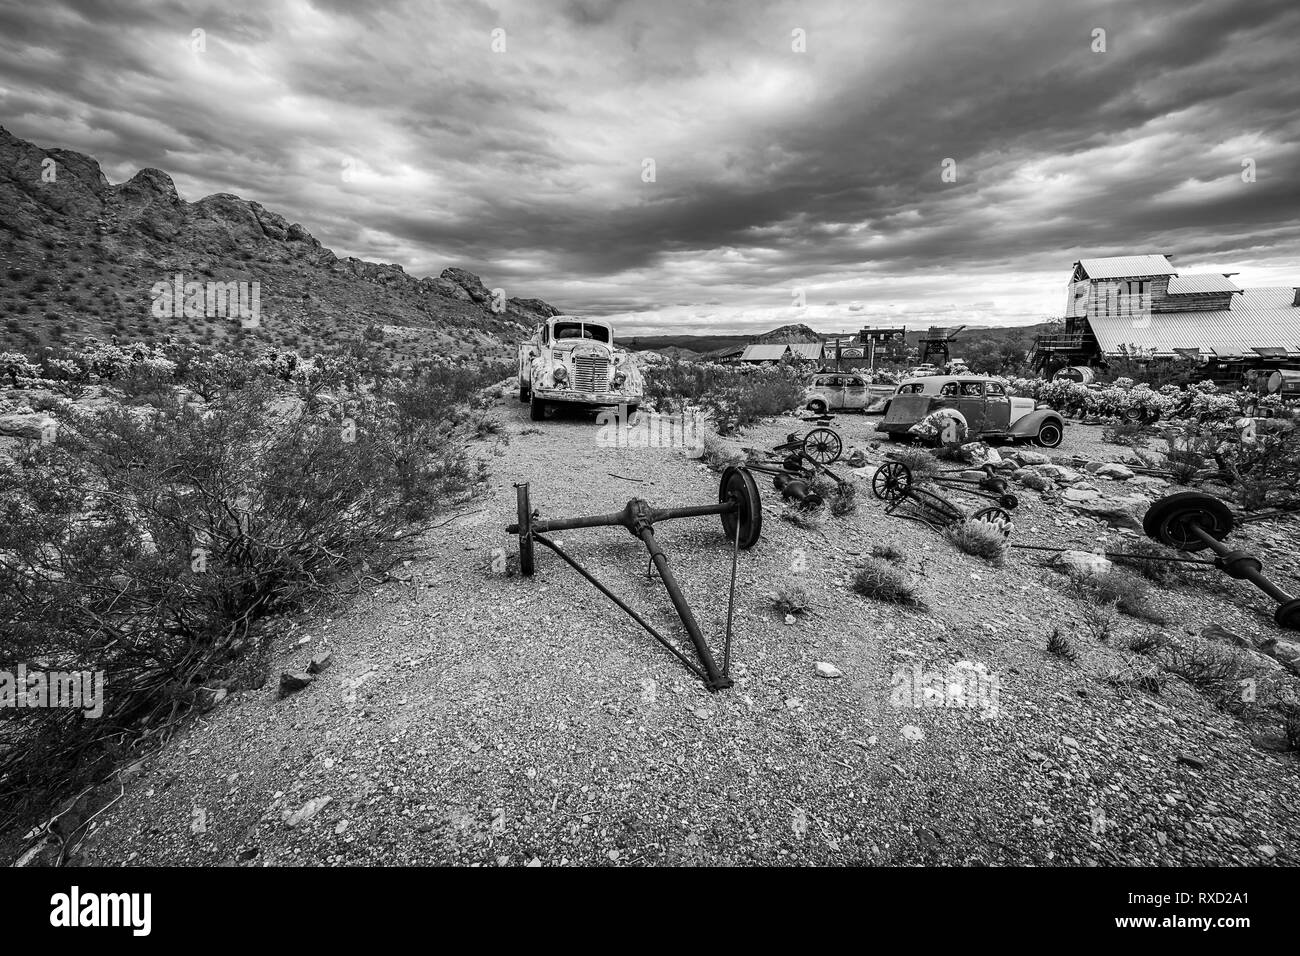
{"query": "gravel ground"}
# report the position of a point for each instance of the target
(476, 717)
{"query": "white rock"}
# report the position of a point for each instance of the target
(828, 670)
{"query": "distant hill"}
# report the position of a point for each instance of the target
(79, 256)
(972, 344)
(788, 333)
(693, 343)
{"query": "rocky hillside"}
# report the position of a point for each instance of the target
(788, 333)
(79, 256)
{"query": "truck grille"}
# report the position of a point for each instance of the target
(591, 373)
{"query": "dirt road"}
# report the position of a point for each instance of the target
(473, 716)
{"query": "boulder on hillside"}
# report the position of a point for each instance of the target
(471, 283)
(32, 425)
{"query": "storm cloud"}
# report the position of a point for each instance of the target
(797, 148)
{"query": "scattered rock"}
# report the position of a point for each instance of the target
(307, 811)
(25, 426)
(1030, 458)
(828, 670)
(320, 662)
(291, 683)
(913, 733)
(1115, 471)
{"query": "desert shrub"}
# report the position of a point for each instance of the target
(791, 598)
(1148, 678)
(883, 582)
(978, 538)
(148, 546)
(719, 453)
(844, 500)
(1146, 643)
(1061, 644)
(1124, 432)
(1164, 573)
(484, 426)
(809, 519)
(733, 396)
(921, 463)
(1098, 620)
(889, 551)
(1214, 669)
(1290, 713)
(1115, 589)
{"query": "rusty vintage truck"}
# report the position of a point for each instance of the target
(573, 361)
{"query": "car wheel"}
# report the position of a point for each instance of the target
(817, 406)
(1049, 435)
(537, 409)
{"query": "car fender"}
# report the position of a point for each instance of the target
(1028, 425)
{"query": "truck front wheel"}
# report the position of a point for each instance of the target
(537, 409)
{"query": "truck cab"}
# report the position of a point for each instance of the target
(570, 360)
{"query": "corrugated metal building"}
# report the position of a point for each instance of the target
(1140, 306)
(1260, 321)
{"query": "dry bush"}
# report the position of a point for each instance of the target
(1098, 620)
(1061, 644)
(720, 453)
(1214, 669)
(1144, 677)
(919, 462)
(1125, 432)
(883, 582)
(1147, 642)
(844, 501)
(1114, 588)
(735, 396)
(149, 546)
(810, 519)
(978, 538)
(791, 598)
(889, 551)
(1163, 573)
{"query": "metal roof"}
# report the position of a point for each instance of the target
(1123, 267)
(764, 353)
(1259, 318)
(808, 350)
(1209, 282)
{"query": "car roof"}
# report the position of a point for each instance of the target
(945, 379)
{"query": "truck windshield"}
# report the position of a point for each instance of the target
(581, 330)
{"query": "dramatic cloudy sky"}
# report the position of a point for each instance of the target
(394, 131)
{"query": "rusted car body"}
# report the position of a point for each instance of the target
(989, 410)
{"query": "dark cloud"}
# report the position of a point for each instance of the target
(396, 131)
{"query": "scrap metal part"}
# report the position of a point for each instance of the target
(741, 512)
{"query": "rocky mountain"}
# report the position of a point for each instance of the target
(81, 256)
(787, 333)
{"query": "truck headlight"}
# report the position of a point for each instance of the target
(561, 375)
(619, 378)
